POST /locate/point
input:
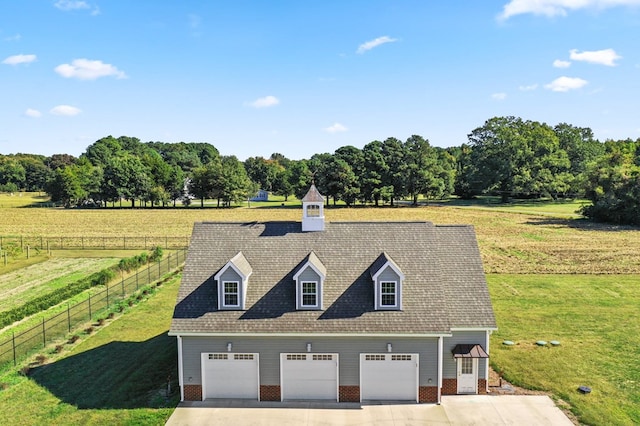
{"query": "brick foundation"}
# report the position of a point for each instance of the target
(449, 386)
(192, 392)
(427, 394)
(270, 393)
(482, 386)
(349, 393)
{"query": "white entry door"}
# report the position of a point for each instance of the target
(468, 375)
(391, 377)
(309, 376)
(230, 375)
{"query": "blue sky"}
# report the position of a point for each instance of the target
(303, 77)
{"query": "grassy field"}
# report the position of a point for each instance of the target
(20, 286)
(510, 243)
(118, 376)
(595, 318)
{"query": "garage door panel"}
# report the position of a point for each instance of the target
(389, 377)
(228, 375)
(309, 376)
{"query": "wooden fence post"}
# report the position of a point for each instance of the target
(69, 316)
(44, 334)
(13, 343)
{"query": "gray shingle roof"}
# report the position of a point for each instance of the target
(313, 195)
(444, 284)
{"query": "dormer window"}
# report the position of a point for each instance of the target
(388, 294)
(387, 283)
(309, 294)
(231, 294)
(309, 280)
(233, 279)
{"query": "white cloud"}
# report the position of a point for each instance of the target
(558, 63)
(375, 43)
(33, 113)
(71, 4)
(499, 96)
(606, 57)
(85, 69)
(66, 110)
(564, 84)
(551, 8)
(267, 101)
(19, 59)
(528, 88)
(335, 128)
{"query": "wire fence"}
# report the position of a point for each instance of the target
(60, 325)
(100, 243)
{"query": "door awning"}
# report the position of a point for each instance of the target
(469, 351)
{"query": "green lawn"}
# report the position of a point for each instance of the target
(118, 375)
(596, 319)
(20, 286)
(24, 199)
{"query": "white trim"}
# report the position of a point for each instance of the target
(304, 267)
(180, 368)
(486, 363)
(440, 358)
(315, 293)
(474, 329)
(386, 265)
(196, 334)
(223, 303)
(396, 297)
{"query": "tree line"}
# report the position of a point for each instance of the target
(507, 156)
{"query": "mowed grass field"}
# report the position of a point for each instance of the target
(517, 243)
(116, 376)
(25, 284)
(550, 278)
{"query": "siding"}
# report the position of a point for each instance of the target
(349, 350)
(462, 337)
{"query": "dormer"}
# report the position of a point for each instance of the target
(232, 280)
(309, 281)
(387, 283)
(313, 210)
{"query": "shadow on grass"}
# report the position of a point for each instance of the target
(115, 376)
(581, 224)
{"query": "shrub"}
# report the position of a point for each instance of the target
(88, 330)
(53, 298)
(74, 338)
(58, 349)
(156, 254)
(40, 359)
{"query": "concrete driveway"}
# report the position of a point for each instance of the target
(478, 410)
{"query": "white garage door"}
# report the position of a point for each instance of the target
(309, 376)
(230, 375)
(389, 377)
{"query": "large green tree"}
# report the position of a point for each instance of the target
(519, 158)
(613, 184)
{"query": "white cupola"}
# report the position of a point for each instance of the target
(313, 210)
